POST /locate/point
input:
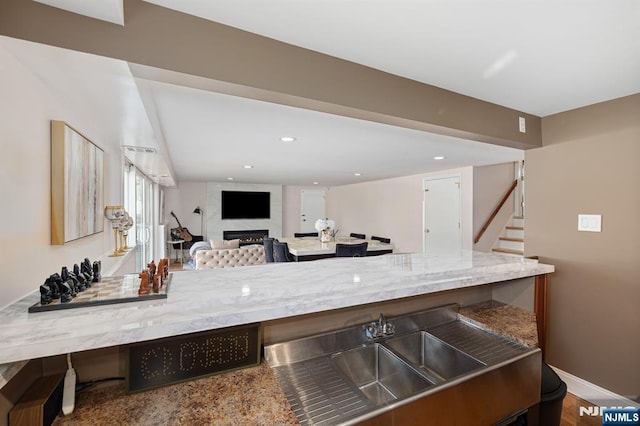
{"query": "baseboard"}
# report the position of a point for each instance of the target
(594, 393)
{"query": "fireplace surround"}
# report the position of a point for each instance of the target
(215, 225)
(246, 236)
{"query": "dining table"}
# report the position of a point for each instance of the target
(311, 248)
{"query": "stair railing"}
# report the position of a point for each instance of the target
(495, 212)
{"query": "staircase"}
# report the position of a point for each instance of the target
(511, 242)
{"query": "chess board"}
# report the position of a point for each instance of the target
(110, 290)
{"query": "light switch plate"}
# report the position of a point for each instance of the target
(590, 222)
(522, 125)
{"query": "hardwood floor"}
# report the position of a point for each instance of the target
(571, 413)
(175, 266)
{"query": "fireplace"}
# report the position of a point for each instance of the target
(250, 236)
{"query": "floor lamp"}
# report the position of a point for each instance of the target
(200, 211)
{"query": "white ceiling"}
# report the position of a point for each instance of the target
(541, 57)
(212, 136)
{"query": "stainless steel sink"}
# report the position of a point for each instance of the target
(343, 377)
(438, 360)
(379, 374)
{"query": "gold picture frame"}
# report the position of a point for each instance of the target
(77, 185)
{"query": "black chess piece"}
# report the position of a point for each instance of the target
(74, 284)
(87, 262)
(45, 293)
(87, 281)
(86, 268)
(54, 281)
(66, 279)
(64, 274)
(82, 281)
(97, 268)
(65, 293)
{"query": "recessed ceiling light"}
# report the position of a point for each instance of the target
(287, 139)
(229, 178)
(315, 183)
(439, 157)
(246, 166)
(357, 174)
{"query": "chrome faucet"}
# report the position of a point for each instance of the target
(378, 329)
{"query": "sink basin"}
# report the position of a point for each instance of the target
(382, 376)
(438, 360)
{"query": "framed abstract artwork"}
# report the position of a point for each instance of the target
(77, 185)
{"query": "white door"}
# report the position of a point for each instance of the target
(442, 215)
(312, 208)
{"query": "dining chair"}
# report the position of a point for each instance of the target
(358, 236)
(281, 252)
(351, 250)
(268, 249)
(381, 239)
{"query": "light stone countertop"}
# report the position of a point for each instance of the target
(218, 298)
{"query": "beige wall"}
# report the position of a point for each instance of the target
(589, 164)
(182, 200)
(26, 110)
(357, 208)
(392, 208)
(489, 186)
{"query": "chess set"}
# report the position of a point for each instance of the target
(79, 289)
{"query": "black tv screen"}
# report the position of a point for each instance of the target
(246, 205)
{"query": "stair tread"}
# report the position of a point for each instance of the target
(510, 251)
(517, 240)
(518, 228)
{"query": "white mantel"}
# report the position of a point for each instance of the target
(215, 225)
(211, 299)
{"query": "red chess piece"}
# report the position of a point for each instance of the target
(161, 268)
(152, 268)
(157, 282)
(165, 268)
(144, 282)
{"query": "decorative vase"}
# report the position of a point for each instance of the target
(325, 236)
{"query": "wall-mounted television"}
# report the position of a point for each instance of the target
(246, 205)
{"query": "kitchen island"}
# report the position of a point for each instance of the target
(214, 299)
(250, 396)
(289, 300)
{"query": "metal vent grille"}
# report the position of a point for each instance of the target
(485, 347)
(318, 394)
(142, 149)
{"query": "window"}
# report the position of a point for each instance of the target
(139, 202)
